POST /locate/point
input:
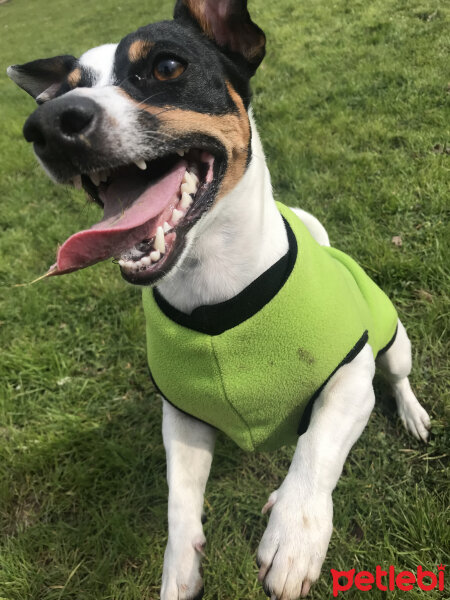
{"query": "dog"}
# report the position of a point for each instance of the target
(274, 334)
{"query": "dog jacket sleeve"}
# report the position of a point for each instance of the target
(254, 380)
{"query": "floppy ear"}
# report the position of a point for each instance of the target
(41, 78)
(228, 24)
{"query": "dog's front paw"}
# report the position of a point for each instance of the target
(295, 542)
(182, 578)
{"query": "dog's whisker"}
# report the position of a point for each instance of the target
(159, 134)
(138, 106)
(127, 78)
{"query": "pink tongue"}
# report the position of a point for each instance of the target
(126, 221)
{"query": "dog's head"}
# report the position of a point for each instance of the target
(155, 129)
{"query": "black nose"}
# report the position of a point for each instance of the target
(61, 123)
(75, 120)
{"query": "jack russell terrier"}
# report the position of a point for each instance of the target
(255, 326)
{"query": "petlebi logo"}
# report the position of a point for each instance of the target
(389, 580)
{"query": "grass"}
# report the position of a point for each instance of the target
(353, 106)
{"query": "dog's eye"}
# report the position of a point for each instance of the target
(168, 68)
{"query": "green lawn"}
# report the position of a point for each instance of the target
(353, 106)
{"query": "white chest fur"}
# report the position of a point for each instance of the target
(240, 238)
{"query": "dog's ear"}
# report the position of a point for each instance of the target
(228, 24)
(41, 78)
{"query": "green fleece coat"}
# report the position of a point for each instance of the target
(255, 380)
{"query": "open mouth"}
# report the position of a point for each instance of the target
(149, 206)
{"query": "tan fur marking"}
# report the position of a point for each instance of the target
(139, 49)
(231, 129)
(74, 77)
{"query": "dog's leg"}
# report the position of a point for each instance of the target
(395, 365)
(189, 448)
(295, 542)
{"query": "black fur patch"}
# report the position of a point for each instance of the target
(202, 86)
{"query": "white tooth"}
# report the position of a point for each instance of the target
(141, 164)
(194, 170)
(95, 178)
(146, 261)
(155, 255)
(176, 216)
(186, 201)
(77, 182)
(159, 240)
(166, 227)
(190, 176)
(188, 187)
(180, 152)
(121, 262)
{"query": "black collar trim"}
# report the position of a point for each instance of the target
(214, 319)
